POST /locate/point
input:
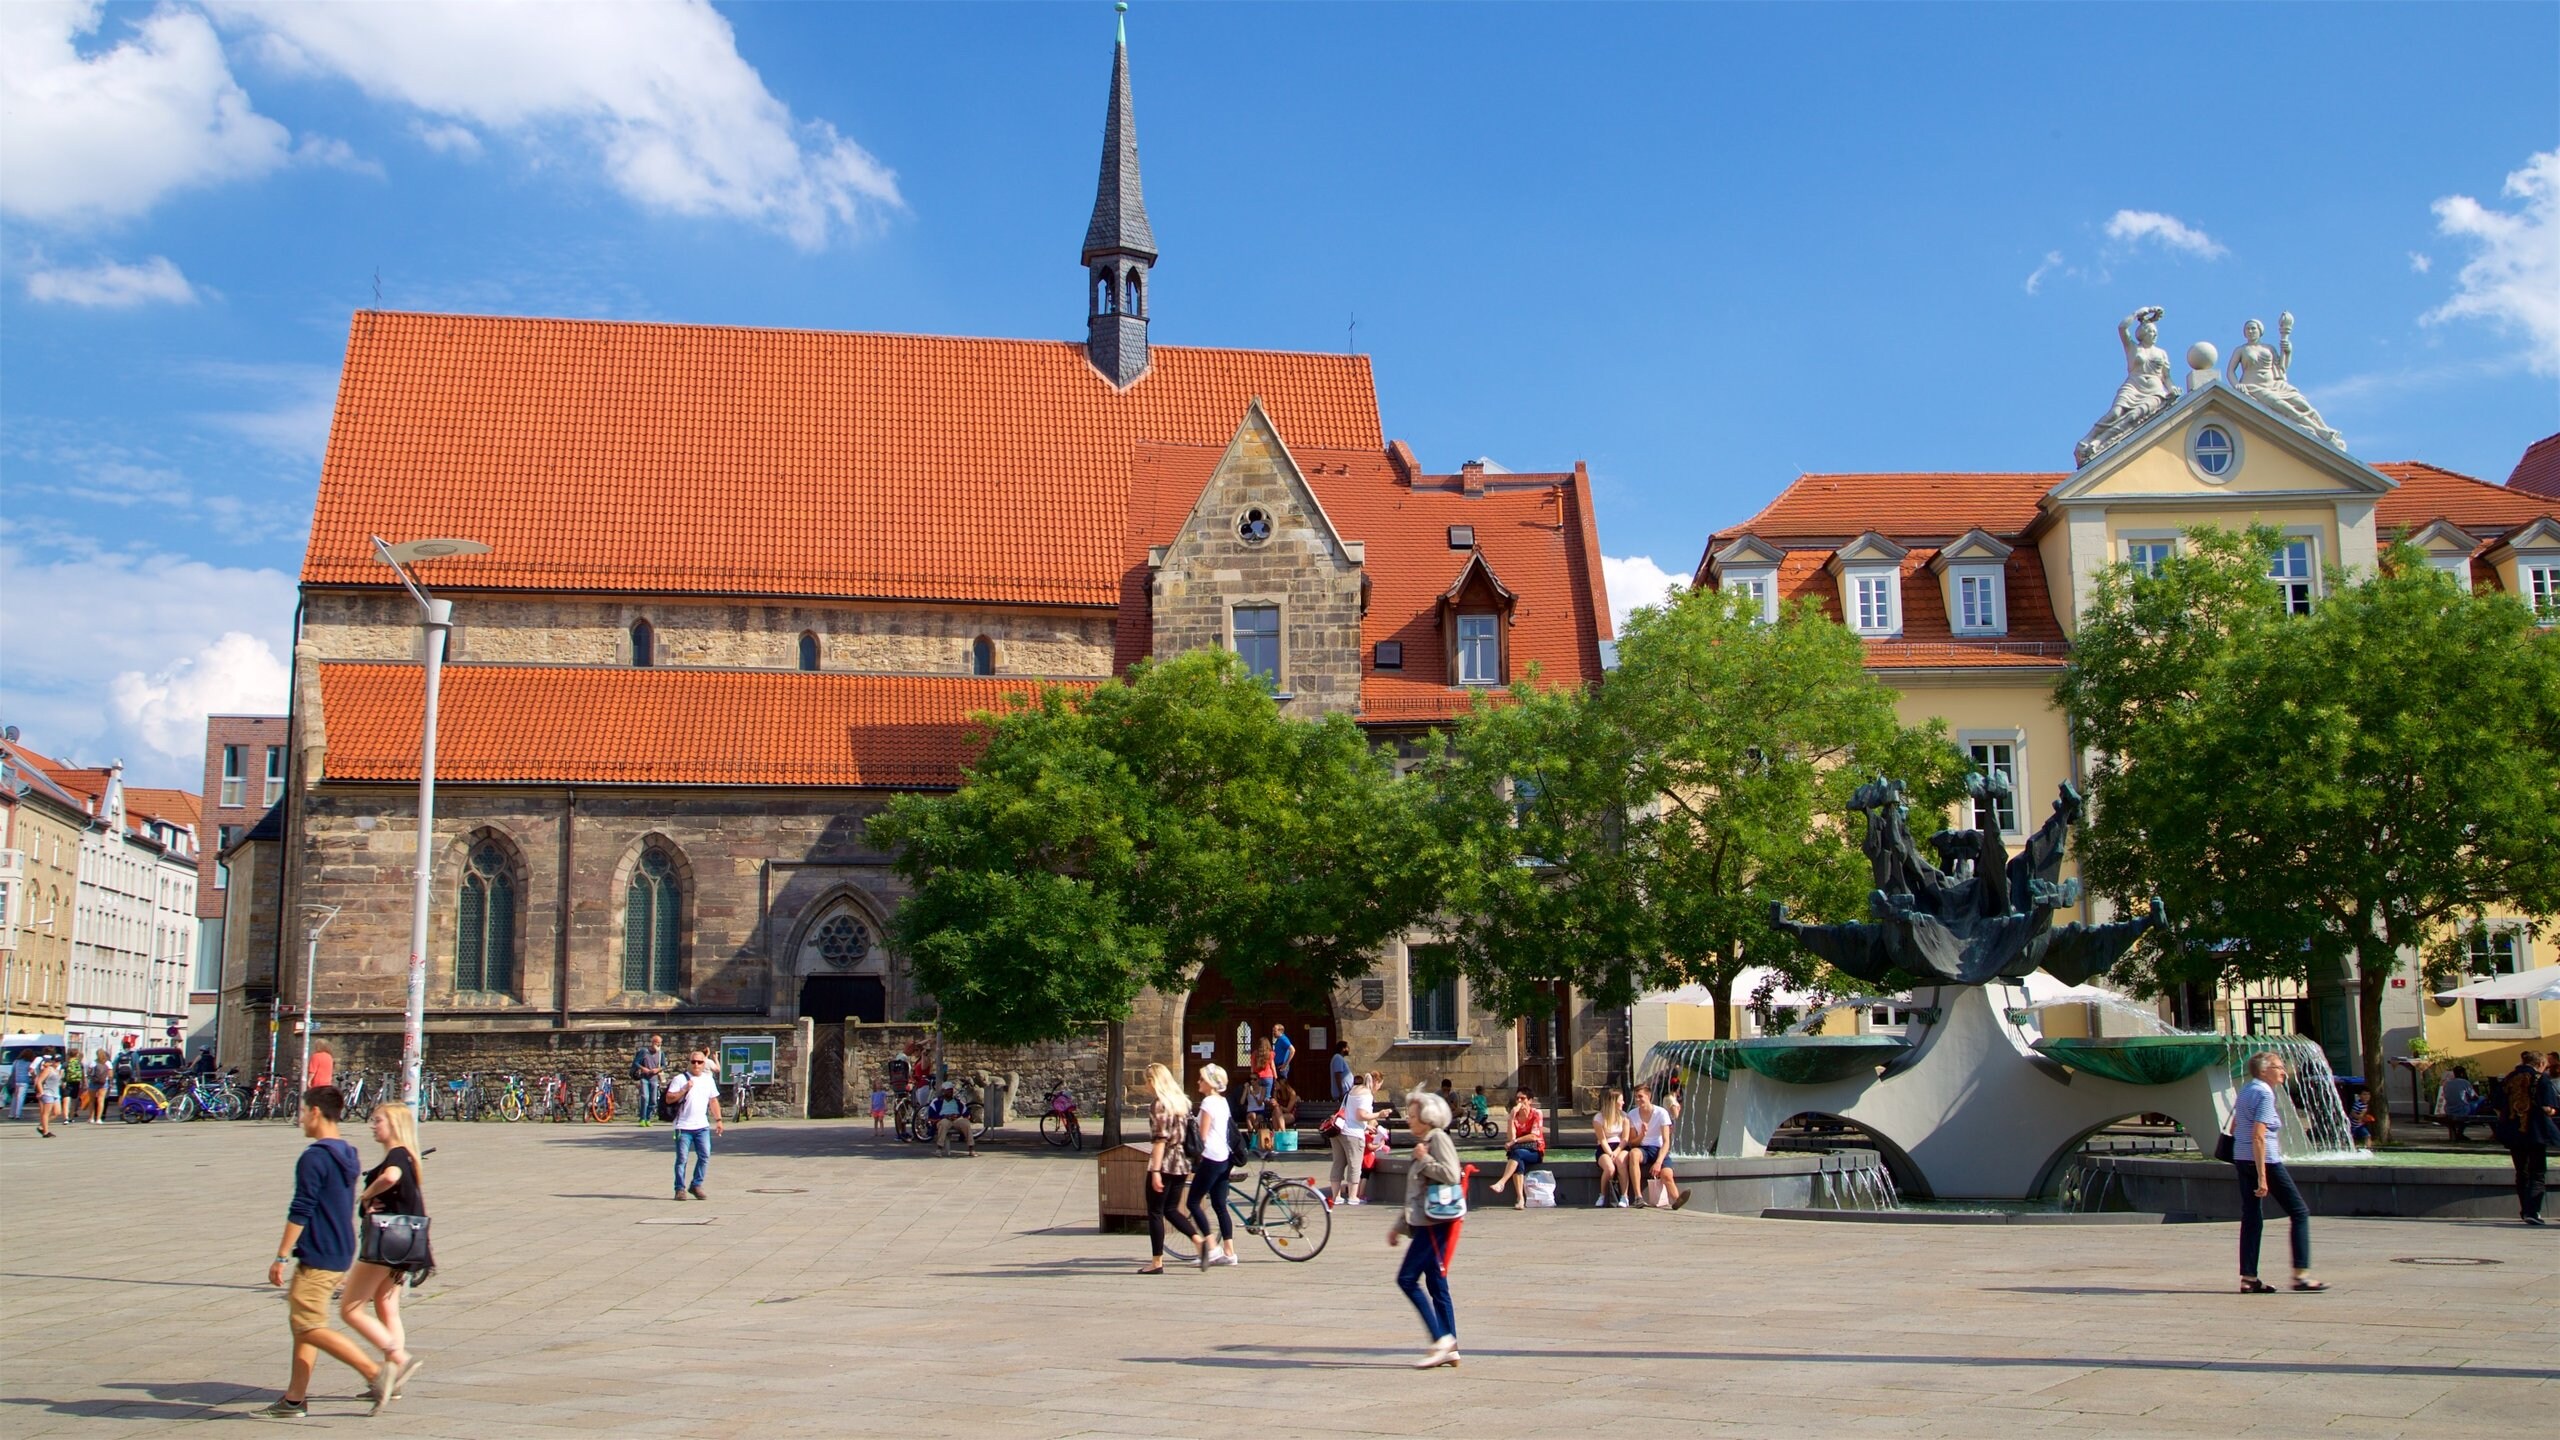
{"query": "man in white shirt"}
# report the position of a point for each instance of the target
(1350, 1141)
(1653, 1145)
(696, 1094)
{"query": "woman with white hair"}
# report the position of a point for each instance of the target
(1435, 1205)
(2257, 1158)
(1217, 1161)
(1168, 1168)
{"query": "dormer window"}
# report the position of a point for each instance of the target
(1973, 571)
(1875, 600)
(1479, 650)
(1760, 587)
(1978, 603)
(1748, 566)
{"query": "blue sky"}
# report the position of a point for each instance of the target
(1702, 248)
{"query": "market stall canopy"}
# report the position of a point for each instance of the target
(2541, 984)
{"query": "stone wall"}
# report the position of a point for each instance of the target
(876, 638)
(580, 1054)
(756, 867)
(1302, 568)
(1077, 1064)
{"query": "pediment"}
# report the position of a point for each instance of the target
(1746, 550)
(2273, 458)
(2542, 536)
(1868, 549)
(1973, 547)
(1255, 469)
(2443, 537)
(1478, 571)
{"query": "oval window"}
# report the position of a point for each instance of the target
(2215, 452)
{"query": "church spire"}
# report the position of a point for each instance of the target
(1119, 245)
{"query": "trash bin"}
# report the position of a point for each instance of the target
(999, 1102)
(1123, 1183)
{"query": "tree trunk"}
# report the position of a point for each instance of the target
(1721, 992)
(1114, 1056)
(2372, 981)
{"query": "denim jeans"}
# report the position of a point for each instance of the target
(2253, 1213)
(1424, 1277)
(648, 1098)
(699, 1142)
(2533, 1172)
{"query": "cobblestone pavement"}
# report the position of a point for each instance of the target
(840, 1286)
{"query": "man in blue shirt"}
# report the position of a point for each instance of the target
(1341, 1070)
(320, 1241)
(1282, 1047)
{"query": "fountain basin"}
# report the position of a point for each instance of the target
(1816, 1059)
(2138, 1059)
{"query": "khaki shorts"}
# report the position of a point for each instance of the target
(1346, 1159)
(307, 1302)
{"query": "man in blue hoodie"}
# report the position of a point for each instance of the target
(320, 1242)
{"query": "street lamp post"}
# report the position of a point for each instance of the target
(436, 624)
(310, 973)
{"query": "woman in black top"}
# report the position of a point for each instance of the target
(371, 1299)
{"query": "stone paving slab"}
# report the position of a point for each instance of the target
(842, 1286)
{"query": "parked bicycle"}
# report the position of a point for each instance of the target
(1289, 1215)
(599, 1105)
(1058, 1122)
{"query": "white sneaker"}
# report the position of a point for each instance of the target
(1622, 1202)
(1601, 1203)
(1443, 1351)
(1224, 1258)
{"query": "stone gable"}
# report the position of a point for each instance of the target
(1303, 567)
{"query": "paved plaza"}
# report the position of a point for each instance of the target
(836, 1285)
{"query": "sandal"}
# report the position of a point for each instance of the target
(2252, 1285)
(2310, 1284)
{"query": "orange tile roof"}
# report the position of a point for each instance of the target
(1901, 503)
(1928, 640)
(2537, 471)
(533, 724)
(2428, 492)
(88, 784)
(697, 459)
(1535, 531)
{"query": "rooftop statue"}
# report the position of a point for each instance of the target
(2146, 389)
(1978, 914)
(2259, 373)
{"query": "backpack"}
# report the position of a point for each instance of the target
(1192, 1145)
(669, 1102)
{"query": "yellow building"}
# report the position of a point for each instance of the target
(1968, 587)
(40, 828)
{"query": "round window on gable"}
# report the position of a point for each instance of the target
(2213, 451)
(1254, 526)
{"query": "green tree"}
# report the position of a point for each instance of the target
(2315, 792)
(1117, 839)
(1632, 836)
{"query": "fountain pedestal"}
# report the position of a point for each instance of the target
(1970, 1111)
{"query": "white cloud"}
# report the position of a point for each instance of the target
(447, 139)
(111, 285)
(2420, 262)
(680, 120)
(2513, 278)
(334, 154)
(134, 649)
(1635, 580)
(2132, 227)
(2035, 278)
(105, 136)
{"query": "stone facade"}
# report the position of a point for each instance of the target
(582, 1055)
(1301, 566)
(572, 630)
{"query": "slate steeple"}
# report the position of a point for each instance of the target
(1119, 245)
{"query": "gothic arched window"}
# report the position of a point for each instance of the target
(808, 649)
(650, 911)
(644, 644)
(484, 942)
(1135, 304)
(982, 656)
(1103, 290)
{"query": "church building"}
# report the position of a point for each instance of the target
(743, 584)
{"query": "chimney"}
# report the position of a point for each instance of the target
(1471, 477)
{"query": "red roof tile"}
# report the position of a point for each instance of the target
(2537, 472)
(2429, 493)
(620, 457)
(531, 724)
(1900, 503)
(1928, 639)
(1534, 531)
(88, 784)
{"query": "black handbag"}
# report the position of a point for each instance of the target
(2222, 1150)
(393, 1241)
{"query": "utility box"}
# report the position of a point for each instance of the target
(1123, 1183)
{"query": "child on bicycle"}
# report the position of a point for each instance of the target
(1481, 1112)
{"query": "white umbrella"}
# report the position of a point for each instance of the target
(2541, 984)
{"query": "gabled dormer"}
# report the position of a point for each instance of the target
(2527, 563)
(2448, 548)
(1476, 612)
(1973, 576)
(1869, 570)
(1748, 565)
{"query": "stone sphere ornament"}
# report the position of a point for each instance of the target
(2202, 356)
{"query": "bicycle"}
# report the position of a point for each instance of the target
(559, 1100)
(741, 1102)
(1471, 1127)
(922, 1122)
(505, 1100)
(1289, 1215)
(1059, 1126)
(600, 1101)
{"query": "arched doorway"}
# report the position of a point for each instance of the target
(843, 972)
(1230, 1023)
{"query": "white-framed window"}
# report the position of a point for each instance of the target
(1875, 602)
(2213, 452)
(2457, 566)
(1479, 650)
(2149, 557)
(275, 774)
(2490, 951)
(1979, 603)
(1761, 586)
(1258, 640)
(235, 784)
(1997, 755)
(2541, 585)
(2291, 572)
